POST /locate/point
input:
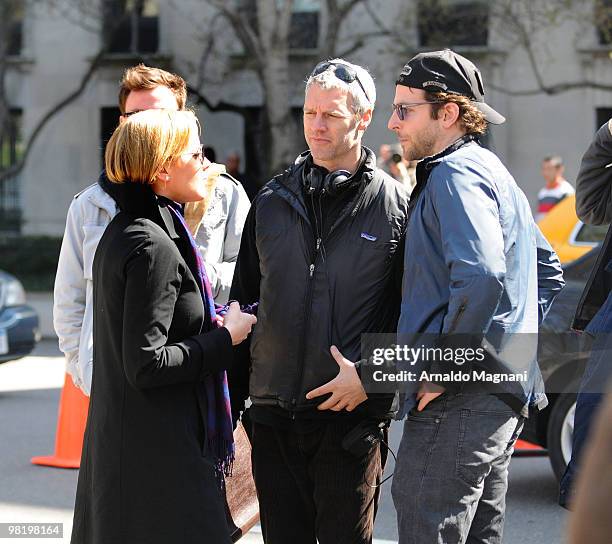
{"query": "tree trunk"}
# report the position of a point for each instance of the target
(273, 24)
(277, 111)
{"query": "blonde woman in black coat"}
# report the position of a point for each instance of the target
(157, 438)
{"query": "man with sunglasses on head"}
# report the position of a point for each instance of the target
(217, 223)
(321, 252)
(490, 277)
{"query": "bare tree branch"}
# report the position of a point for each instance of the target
(207, 52)
(525, 39)
(345, 8)
(360, 41)
(553, 89)
(243, 29)
(201, 98)
(82, 13)
(18, 167)
(383, 29)
(336, 13)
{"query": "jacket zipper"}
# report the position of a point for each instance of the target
(457, 317)
(307, 309)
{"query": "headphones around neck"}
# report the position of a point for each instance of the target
(317, 181)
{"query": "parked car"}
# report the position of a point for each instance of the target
(19, 329)
(569, 236)
(562, 355)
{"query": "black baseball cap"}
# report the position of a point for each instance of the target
(451, 73)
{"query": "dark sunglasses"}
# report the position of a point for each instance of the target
(342, 72)
(128, 113)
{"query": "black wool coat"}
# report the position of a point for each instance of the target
(146, 476)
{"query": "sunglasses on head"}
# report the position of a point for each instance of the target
(342, 71)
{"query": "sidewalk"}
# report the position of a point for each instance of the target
(29, 396)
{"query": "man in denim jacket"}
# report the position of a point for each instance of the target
(477, 265)
(594, 313)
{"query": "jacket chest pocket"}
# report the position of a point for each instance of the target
(91, 239)
(361, 266)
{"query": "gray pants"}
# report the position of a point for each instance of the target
(451, 474)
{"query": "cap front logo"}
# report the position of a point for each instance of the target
(407, 70)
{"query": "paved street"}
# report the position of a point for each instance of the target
(29, 394)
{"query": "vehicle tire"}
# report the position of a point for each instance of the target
(560, 430)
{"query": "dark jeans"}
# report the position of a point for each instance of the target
(310, 489)
(451, 474)
(590, 395)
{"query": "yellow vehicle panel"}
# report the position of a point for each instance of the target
(569, 236)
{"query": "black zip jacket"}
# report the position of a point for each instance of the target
(314, 293)
(594, 206)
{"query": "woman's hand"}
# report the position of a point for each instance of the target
(238, 323)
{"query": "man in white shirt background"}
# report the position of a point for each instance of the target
(556, 187)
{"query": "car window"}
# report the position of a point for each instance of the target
(592, 234)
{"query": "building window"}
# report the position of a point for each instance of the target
(131, 26)
(15, 30)
(445, 23)
(11, 150)
(304, 30)
(304, 26)
(591, 234)
(603, 21)
(602, 115)
(109, 119)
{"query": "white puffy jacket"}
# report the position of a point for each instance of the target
(89, 213)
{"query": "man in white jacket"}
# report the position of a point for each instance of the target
(142, 88)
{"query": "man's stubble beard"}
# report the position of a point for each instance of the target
(423, 147)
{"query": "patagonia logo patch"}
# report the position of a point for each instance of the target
(369, 237)
(435, 84)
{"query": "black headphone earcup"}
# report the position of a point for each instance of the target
(334, 180)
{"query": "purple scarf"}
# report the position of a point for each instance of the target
(219, 424)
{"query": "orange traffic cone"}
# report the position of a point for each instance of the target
(71, 421)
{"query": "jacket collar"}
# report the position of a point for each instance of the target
(139, 200)
(429, 162)
(367, 163)
(289, 184)
(425, 166)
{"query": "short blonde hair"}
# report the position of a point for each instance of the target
(146, 142)
(146, 78)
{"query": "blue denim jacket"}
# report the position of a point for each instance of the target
(476, 263)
